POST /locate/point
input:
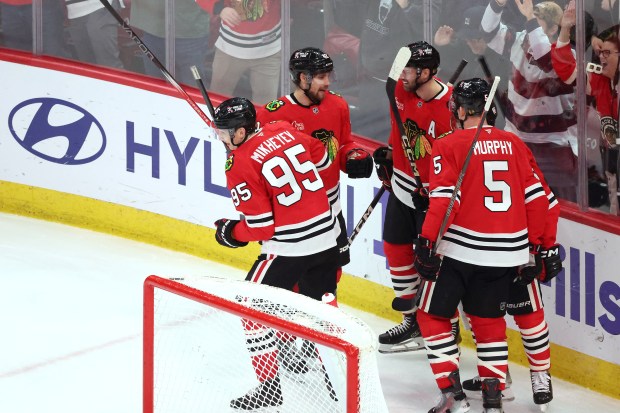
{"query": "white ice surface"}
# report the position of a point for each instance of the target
(70, 328)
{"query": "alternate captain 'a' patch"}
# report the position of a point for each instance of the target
(229, 163)
(274, 105)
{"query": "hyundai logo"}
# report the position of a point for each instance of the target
(57, 131)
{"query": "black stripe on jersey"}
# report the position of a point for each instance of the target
(538, 190)
(254, 221)
(323, 165)
(406, 189)
(405, 181)
(248, 42)
(333, 191)
(518, 247)
(487, 239)
(313, 234)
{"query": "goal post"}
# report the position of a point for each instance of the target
(196, 355)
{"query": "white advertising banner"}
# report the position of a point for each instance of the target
(149, 151)
(110, 142)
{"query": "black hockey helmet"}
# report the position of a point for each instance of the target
(236, 113)
(471, 95)
(423, 56)
(309, 60)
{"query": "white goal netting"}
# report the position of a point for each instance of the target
(201, 356)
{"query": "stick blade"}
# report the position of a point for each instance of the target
(400, 61)
(195, 72)
(487, 105)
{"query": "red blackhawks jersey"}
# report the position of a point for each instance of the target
(424, 121)
(329, 122)
(274, 181)
(548, 237)
(501, 204)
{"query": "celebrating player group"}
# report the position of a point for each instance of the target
(470, 222)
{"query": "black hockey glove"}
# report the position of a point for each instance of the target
(223, 233)
(552, 262)
(384, 166)
(420, 199)
(426, 262)
(533, 269)
(359, 163)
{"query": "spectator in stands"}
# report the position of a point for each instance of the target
(17, 26)
(602, 82)
(191, 26)
(249, 42)
(539, 107)
(94, 32)
(388, 25)
(469, 43)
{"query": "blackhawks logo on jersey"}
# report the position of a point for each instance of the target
(329, 140)
(417, 139)
(274, 105)
(229, 163)
(251, 10)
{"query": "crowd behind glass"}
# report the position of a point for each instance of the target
(362, 36)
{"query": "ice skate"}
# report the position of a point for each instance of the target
(473, 387)
(453, 399)
(404, 337)
(491, 396)
(267, 394)
(542, 389)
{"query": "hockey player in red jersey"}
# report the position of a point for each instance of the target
(422, 100)
(526, 305)
(273, 177)
(496, 224)
(317, 111)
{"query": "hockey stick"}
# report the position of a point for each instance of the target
(457, 72)
(147, 52)
(366, 215)
(400, 61)
(487, 73)
(203, 90)
(459, 180)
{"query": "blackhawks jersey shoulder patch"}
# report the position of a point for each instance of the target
(229, 163)
(274, 105)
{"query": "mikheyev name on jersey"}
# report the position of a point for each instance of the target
(270, 145)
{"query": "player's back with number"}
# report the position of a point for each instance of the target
(283, 197)
(491, 222)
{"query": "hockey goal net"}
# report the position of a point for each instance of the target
(199, 357)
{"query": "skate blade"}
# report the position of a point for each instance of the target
(410, 345)
(543, 407)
